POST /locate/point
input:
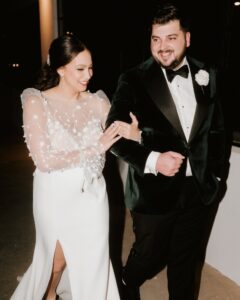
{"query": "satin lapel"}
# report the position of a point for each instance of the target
(202, 102)
(158, 90)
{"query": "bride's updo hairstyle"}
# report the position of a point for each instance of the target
(61, 52)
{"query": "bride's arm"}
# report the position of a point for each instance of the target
(39, 143)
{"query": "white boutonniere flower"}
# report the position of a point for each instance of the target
(202, 77)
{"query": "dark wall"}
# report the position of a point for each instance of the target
(20, 44)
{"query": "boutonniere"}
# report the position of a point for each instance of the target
(202, 77)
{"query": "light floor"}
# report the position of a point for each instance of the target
(17, 234)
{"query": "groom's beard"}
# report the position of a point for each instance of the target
(175, 63)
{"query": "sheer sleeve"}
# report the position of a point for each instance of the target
(36, 134)
(105, 107)
(37, 138)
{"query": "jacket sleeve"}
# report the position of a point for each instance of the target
(218, 157)
(124, 101)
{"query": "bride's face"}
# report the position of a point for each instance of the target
(78, 72)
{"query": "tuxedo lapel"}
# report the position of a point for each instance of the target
(201, 95)
(158, 90)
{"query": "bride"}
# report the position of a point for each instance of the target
(64, 132)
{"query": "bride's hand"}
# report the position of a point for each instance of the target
(129, 131)
(109, 137)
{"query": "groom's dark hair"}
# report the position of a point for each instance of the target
(167, 12)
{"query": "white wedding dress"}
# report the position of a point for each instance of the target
(70, 202)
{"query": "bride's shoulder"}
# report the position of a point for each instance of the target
(31, 95)
(101, 98)
(102, 95)
(30, 92)
(97, 96)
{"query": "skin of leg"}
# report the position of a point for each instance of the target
(59, 264)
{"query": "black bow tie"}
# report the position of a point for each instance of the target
(183, 71)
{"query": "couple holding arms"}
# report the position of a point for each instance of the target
(165, 120)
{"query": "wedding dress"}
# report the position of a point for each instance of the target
(70, 203)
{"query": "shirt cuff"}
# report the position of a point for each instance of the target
(151, 163)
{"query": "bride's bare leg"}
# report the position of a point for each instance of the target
(59, 264)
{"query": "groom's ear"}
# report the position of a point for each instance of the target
(188, 38)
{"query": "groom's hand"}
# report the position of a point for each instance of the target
(169, 163)
(129, 131)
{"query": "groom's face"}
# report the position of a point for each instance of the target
(169, 43)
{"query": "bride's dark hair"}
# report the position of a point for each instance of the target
(61, 52)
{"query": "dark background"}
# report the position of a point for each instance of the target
(117, 34)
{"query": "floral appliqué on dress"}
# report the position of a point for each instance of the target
(61, 137)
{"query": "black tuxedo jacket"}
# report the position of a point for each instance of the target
(143, 90)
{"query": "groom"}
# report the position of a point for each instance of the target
(176, 170)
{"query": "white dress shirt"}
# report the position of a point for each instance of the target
(184, 98)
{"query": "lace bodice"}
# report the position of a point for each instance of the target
(65, 134)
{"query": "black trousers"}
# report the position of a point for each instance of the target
(177, 239)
